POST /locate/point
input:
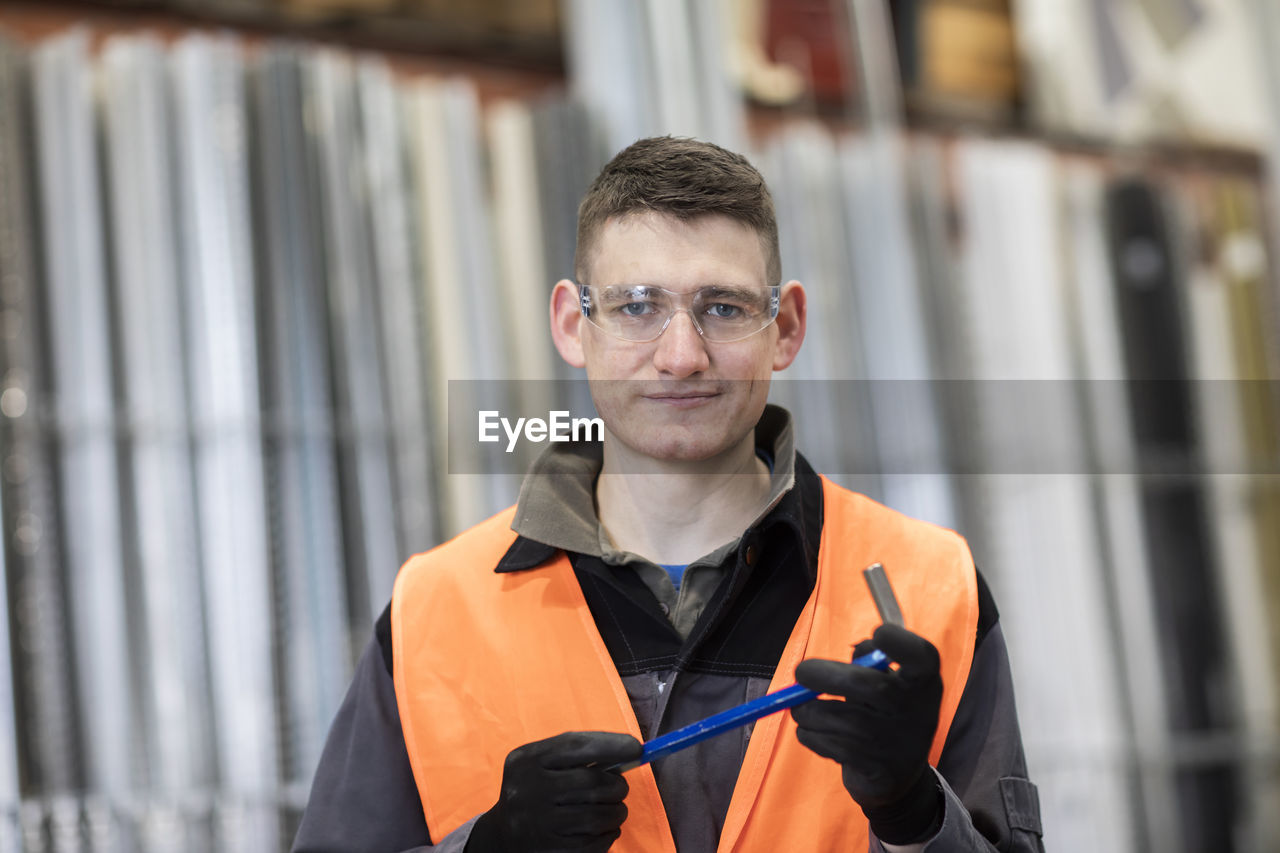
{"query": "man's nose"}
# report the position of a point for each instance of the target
(681, 350)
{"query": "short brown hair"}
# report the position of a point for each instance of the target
(684, 178)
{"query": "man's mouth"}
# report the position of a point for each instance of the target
(682, 397)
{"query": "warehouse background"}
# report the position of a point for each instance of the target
(245, 246)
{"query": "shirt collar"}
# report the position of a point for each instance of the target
(556, 508)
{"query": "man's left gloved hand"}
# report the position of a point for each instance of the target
(881, 733)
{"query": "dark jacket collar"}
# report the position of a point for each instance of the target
(797, 513)
(557, 499)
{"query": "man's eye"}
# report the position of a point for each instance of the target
(636, 309)
(724, 311)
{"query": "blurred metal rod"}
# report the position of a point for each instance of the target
(876, 61)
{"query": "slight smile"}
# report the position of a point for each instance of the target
(682, 399)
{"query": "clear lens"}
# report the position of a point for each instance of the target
(641, 313)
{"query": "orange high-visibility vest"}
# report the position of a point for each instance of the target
(486, 662)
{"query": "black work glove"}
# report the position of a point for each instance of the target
(881, 733)
(552, 800)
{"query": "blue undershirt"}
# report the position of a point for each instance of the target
(676, 570)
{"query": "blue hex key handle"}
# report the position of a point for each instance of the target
(748, 712)
(771, 703)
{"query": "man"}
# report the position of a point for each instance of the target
(684, 565)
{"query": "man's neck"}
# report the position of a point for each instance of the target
(674, 513)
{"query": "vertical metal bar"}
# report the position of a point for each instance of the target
(724, 118)
(568, 156)
(487, 354)
(522, 267)
(834, 428)
(80, 341)
(892, 317)
(672, 81)
(217, 269)
(14, 402)
(373, 550)
(877, 90)
(312, 633)
(611, 70)
(889, 307)
(439, 223)
(48, 749)
(1096, 338)
(386, 184)
(1010, 332)
(170, 637)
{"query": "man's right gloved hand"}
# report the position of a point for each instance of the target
(552, 800)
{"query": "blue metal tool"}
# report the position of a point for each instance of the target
(748, 712)
(779, 700)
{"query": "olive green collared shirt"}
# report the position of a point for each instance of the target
(557, 507)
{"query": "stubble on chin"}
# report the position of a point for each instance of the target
(681, 439)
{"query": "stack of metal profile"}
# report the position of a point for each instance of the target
(1234, 411)
(568, 154)
(307, 533)
(98, 584)
(10, 835)
(892, 325)
(238, 394)
(525, 281)
(1149, 290)
(486, 352)
(218, 270)
(459, 288)
(1041, 544)
(1099, 343)
(168, 639)
(1253, 596)
(654, 66)
(30, 577)
(372, 548)
(833, 427)
(524, 278)
(386, 185)
(1087, 64)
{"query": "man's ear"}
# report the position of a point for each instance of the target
(792, 308)
(566, 323)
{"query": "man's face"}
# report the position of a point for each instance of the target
(680, 397)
